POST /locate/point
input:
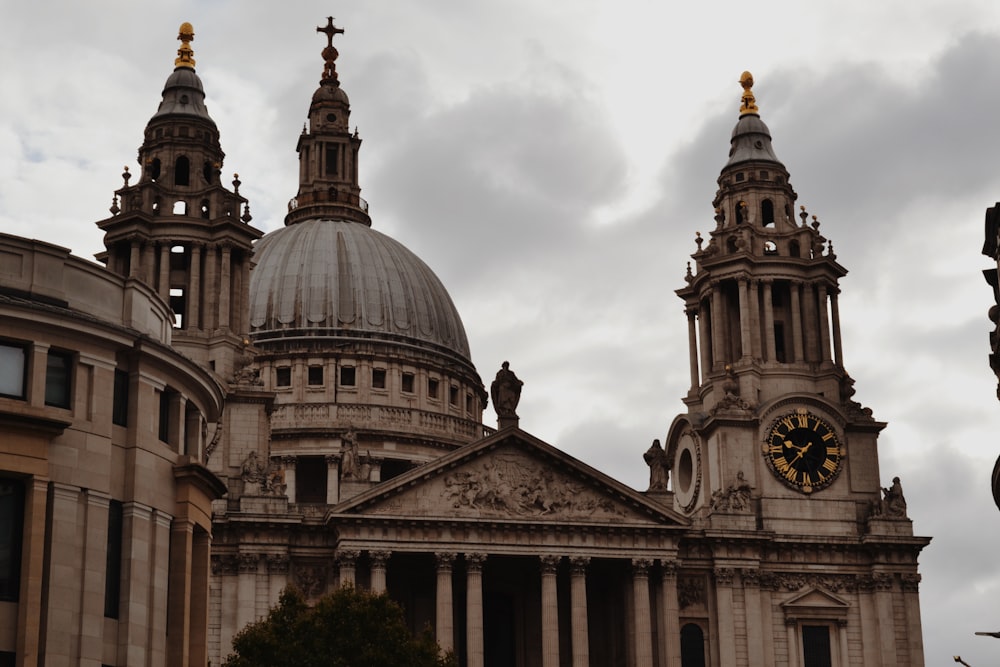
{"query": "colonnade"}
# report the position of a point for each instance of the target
(813, 317)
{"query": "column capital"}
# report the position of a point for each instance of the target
(474, 562)
(277, 563)
(248, 562)
(444, 560)
(578, 564)
(332, 459)
(347, 557)
(549, 563)
(668, 568)
(724, 576)
(379, 558)
(640, 566)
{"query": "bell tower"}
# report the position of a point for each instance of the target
(179, 229)
(770, 404)
(328, 151)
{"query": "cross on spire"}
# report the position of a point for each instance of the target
(330, 53)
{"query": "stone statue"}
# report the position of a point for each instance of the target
(254, 475)
(734, 498)
(656, 459)
(506, 392)
(349, 464)
(893, 505)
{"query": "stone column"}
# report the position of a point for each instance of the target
(886, 619)
(705, 335)
(642, 612)
(246, 590)
(771, 350)
(810, 319)
(148, 273)
(693, 349)
(288, 465)
(795, 290)
(211, 320)
(134, 259)
(164, 284)
(179, 601)
(444, 614)
(753, 610)
(30, 602)
(474, 609)
(670, 641)
(719, 347)
(792, 633)
(578, 610)
(225, 287)
(379, 561)
(911, 600)
(550, 611)
(745, 342)
(347, 560)
(824, 323)
(756, 349)
(838, 351)
(277, 574)
(200, 564)
(332, 479)
(244, 293)
(724, 604)
(194, 289)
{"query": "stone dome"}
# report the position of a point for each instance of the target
(337, 278)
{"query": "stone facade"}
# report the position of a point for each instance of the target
(331, 389)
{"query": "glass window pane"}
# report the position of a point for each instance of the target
(12, 370)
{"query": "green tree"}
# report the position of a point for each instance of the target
(348, 628)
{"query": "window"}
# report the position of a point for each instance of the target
(692, 646)
(432, 387)
(407, 384)
(767, 212)
(13, 366)
(453, 395)
(468, 402)
(119, 405)
(310, 479)
(113, 563)
(11, 531)
(315, 375)
(378, 378)
(164, 431)
(347, 376)
(283, 376)
(332, 158)
(182, 171)
(816, 646)
(58, 378)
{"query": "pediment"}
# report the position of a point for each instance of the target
(815, 603)
(510, 476)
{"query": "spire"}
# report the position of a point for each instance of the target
(185, 55)
(328, 151)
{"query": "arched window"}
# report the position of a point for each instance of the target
(182, 171)
(692, 646)
(208, 172)
(793, 249)
(180, 207)
(154, 169)
(767, 212)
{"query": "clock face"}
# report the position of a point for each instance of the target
(803, 451)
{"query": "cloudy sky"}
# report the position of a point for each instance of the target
(552, 163)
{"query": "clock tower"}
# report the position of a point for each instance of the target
(770, 404)
(804, 557)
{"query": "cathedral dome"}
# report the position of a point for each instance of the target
(344, 279)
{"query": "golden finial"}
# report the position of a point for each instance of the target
(185, 56)
(330, 52)
(747, 103)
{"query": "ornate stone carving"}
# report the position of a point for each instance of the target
(350, 465)
(248, 562)
(277, 563)
(750, 577)
(311, 579)
(549, 563)
(225, 564)
(474, 562)
(216, 437)
(668, 568)
(246, 373)
(731, 394)
(690, 591)
(444, 560)
(724, 576)
(882, 580)
(379, 559)
(734, 498)
(508, 485)
(260, 479)
(910, 582)
(347, 557)
(656, 459)
(578, 564)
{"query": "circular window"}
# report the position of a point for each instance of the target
(685, 471)
(331, 117)
(184, 99)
